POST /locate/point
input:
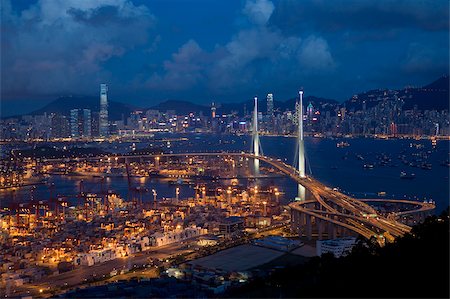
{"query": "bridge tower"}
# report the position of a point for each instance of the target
(301, 147)
(255, 137)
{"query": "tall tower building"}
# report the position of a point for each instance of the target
(213, 110)
(270, 104)
(310, 111)
(87, 123)
(74, 123)
(103, 117)
(80, 123)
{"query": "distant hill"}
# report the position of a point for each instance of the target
(184, 107)
(63, 105)
(434, 96)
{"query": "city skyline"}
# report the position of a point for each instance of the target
(231, 149)
(169, 56)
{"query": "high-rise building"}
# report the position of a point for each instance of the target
(103, 117)
(310, 111)
(75, 124)
(59, 126)
(80, 123)
(95, 116)
(213, 110)
(269, 104)
(87, 123)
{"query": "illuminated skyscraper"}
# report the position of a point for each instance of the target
(80, 123)
(269, 104)
(87, 123)
(75, 123)
(103, 117)
(310, 111)
(213, 110)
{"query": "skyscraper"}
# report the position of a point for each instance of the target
(59, 126)
(103, 117)
(75, 123)
(87, 123)
(269, 104)
(80, 123)
(213, 110)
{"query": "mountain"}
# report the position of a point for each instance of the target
(63, 105)
(184, 107)
(434, 96)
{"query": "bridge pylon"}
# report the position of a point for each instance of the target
(256, 145)
(301, 147)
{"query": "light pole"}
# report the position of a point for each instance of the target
(229, 195)
(177, 193)
(277, 193)
(157, 162)
(154, 197)
(204, 194)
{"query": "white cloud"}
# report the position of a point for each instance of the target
(315, 54)
(65, 43)
(259, 11)
(252, 56)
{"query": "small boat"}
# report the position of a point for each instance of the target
(426, 166)
(404, 175)
(342, 144)
(368, 166)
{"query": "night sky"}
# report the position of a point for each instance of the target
(223, 51)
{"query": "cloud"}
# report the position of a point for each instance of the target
(62, 46)
(254, 56)
(424, 59)
(315, 54)
(259, 11)
(361, 15)
(185, 69)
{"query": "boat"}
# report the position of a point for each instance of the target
(445, 163)
(426, 166)
(181, 182)
(342, 144)
(368, 166)
(405, 175)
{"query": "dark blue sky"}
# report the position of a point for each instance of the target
(150, 51)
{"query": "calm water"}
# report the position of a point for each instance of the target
(336, 167)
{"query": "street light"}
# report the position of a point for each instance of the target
(154, 196)
(177, 193)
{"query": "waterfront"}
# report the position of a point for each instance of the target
(340, 167)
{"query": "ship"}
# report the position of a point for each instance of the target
(404, 175)
(342, 144)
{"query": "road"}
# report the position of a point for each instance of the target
(81, 274)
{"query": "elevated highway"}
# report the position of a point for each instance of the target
(330, 212)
